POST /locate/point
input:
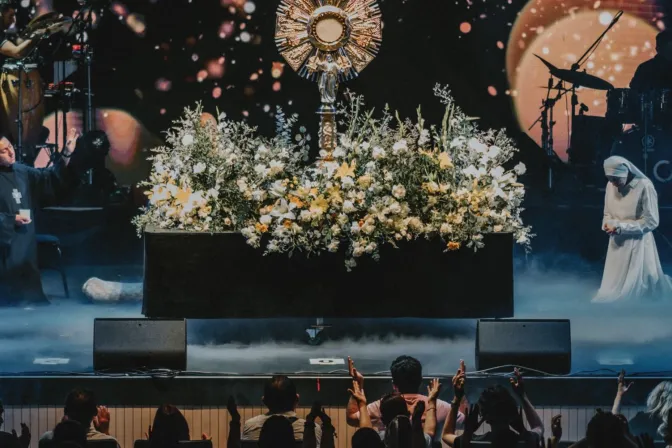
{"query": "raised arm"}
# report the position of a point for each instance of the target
(357, 395)
(10, 50)
(352, 416)
(620, 391)
(234, 427)
(531, 415)
(433, 391)
(448, 435)
(309, 438)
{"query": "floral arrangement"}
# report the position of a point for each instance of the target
(388, 180)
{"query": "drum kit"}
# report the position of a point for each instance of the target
(647, 116)
(23, 91)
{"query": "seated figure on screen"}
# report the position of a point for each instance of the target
(656, 73)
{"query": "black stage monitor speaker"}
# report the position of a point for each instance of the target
(121, 345)
(543, 345)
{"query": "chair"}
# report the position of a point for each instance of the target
(141, 443)
(51, 257)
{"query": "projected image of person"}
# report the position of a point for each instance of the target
(656, 73)
(23, 190)
(632, 269)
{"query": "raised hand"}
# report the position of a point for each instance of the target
(71, 142)
(102, 421)
(458, 385)
(622, 386)
(354, 373)
(517, 383)
(233, 409)
(556, 427)
(433, 390)
(204, 436)
(357, 393)
(148, 434)
(24, 439)
(315, 411)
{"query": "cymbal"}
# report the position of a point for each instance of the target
(577, 78)
(50, 20)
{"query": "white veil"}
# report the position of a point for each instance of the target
(619, 167)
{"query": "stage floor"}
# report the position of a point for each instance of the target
(635, 336)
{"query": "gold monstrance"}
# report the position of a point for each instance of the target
(328, 41)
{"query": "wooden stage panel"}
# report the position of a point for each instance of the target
(131, 423)
(210, 276)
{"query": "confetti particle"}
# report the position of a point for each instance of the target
(216, 92)
(249, 7)
(545, 50)
(267, 108)
(500, 45)
(25, 3)
(163, 85)
(605, 18)
(194, 57)
(136, 23)
(277, 86)
(162, 111)
(465, 27)
(246, 113)
(215, 70)
(492, 91)
(277, 70)
(201, 75)
(245, 37)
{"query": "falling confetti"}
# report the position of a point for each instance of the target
(465, 27)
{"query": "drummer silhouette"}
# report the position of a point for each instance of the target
(656, 73)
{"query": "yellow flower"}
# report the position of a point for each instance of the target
(261, 228)
(319, 203)
(335, 194)
(296, 201)
(364, 181)
(444, 161)
(452, 245)
(182, 196)
(345, 170)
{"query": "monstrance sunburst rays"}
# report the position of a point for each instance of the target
(330, 41)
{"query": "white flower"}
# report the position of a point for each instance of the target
(261, 170)
(349, 207)
(266, 219)
(188, 140)
(365, 145)
(213, 193)
(199, 167)
(333, 246)
(401, 145)
(339, 152)
(473, 172)
(520, 169)
(354, 228)
(457, 142)
(477, 146)
(424, 137)
(378, 153)
(278, 188)
(498, 228)
(497, 172)
(494, 151)
(347, 182)
(258, 195)
(276, 167)
(398, 191)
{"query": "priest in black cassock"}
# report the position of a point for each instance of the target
(23, 190)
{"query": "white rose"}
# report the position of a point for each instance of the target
(520, 169)
(477, 146)
(199, 168)
(398, 191)
(494, 151)
(187, 140)
(378, 153)
(401, 145)
(497, 172)
(349, 207)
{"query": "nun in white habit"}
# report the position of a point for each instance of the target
(632, 269)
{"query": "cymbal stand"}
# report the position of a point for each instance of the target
(19, 114)
(547, 122)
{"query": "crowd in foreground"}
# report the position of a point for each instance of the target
(404, 418)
